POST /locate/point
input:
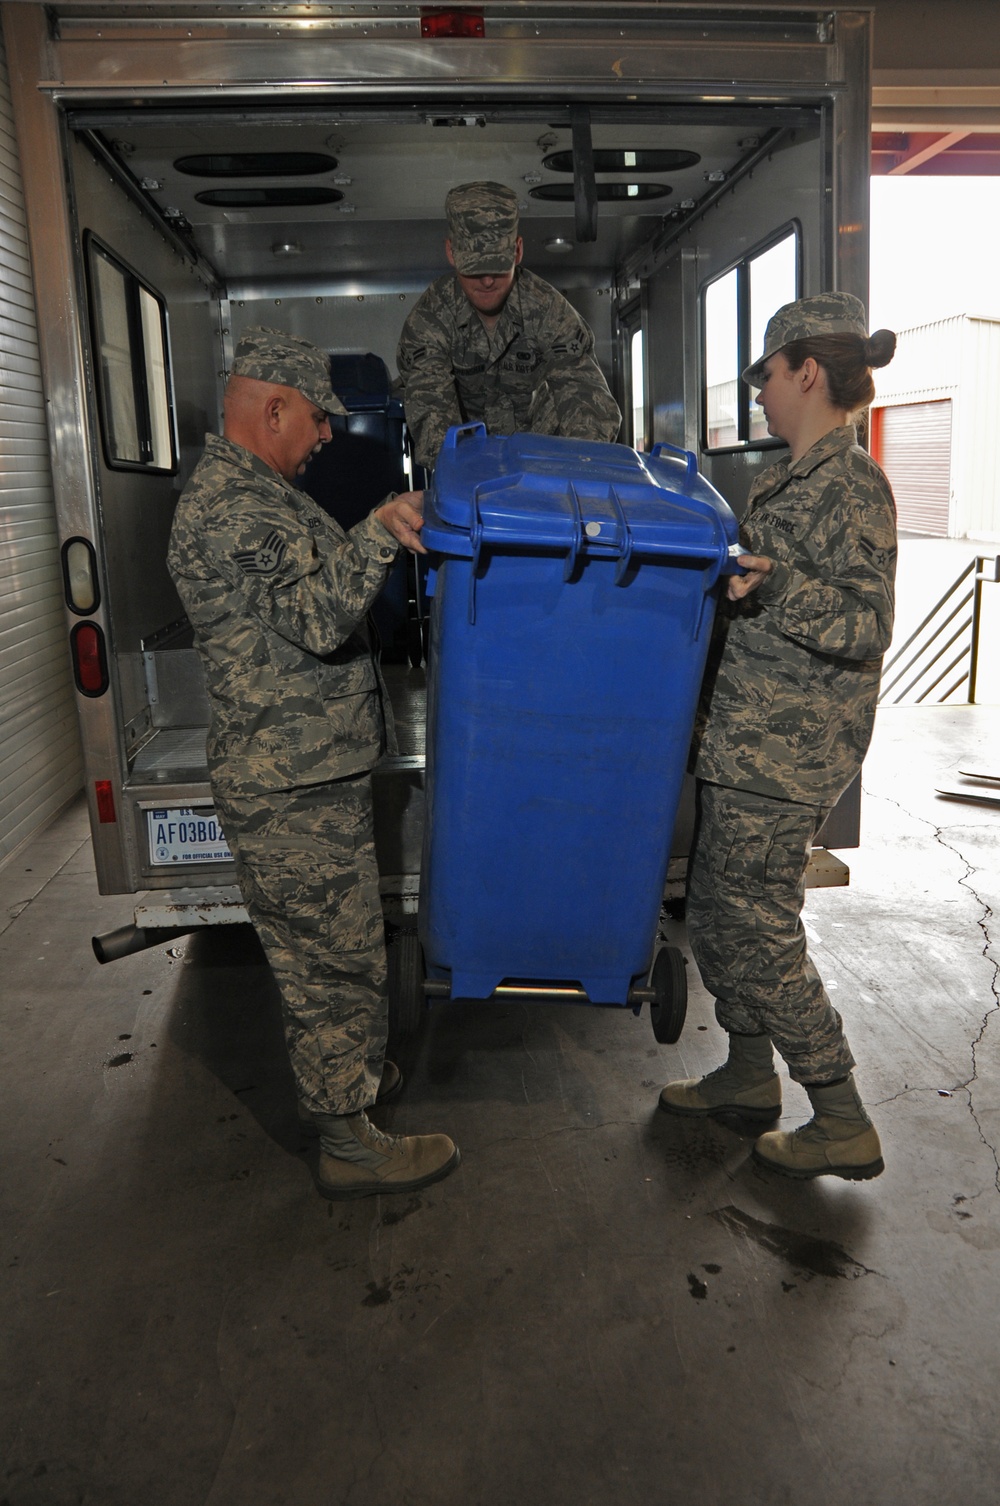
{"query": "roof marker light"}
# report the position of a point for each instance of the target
(450, 22)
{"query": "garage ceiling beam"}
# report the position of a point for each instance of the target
(921, 149)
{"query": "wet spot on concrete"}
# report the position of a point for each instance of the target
(119, 1061)
(697, 1287)
(713, 1270)
(125, 1037)
(396, 1215)
(377, 1295)
(694, 1154)
(820, 1257)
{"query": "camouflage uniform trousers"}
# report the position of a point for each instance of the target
(305, 862)
(746, 888)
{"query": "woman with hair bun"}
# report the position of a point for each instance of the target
(786, 718)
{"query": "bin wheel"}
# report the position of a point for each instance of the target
(669, 982)
(406, 985)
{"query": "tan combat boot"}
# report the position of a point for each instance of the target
(839, 1140)
(358, 1160)
(746, 1084)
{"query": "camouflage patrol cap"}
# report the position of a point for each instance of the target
(482, 228)
(271, 355)
(823, 314)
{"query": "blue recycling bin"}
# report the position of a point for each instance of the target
(573, 592)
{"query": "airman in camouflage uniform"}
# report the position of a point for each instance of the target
(277, 595)
(495, 342)
(786, 718)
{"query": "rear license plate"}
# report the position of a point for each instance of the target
(186, 834)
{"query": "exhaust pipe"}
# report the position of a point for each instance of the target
(132, 938)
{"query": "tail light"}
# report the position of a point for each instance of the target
(80, 585)
(90, 660)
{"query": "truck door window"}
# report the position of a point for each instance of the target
(735, 309)
(773, 281)
(638, 392)
(722, 362)
(129, 328)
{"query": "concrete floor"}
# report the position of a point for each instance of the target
(603, 1305)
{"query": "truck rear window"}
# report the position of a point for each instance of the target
(131, 357)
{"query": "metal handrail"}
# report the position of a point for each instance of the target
(928, 660)
(926, 656)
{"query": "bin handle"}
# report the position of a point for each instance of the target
(576, 542)
(688, 456)
(628, 542)
(460, 432)
(476, 531)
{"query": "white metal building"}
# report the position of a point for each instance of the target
(934, 428)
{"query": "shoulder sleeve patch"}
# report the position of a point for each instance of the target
(264, 560)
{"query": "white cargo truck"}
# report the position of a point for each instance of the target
(193, 170)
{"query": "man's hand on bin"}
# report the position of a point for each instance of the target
(757, 566)
(403, 516)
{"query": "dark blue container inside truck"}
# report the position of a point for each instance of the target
(574, 589)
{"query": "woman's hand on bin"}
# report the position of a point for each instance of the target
(403, 516)
(757, 566)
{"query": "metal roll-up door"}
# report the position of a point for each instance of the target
(40, 763)
(914, 450)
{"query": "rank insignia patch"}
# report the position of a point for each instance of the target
(265, 560)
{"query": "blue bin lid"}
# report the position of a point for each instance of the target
(535, 492)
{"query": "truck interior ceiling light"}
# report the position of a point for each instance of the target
(449, 22)
(563, 192)
(626, 160)
(256, 164)
(559, 244)
(267, 198)
(286, 248)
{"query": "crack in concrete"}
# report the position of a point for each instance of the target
(983, 924)
(18, 908)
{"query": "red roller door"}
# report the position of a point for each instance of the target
(912, 443)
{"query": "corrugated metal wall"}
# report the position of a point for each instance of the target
(976, 440)
(40, 763)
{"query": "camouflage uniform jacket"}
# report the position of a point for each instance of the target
(277, 594)
(535, 371)
(796, 663)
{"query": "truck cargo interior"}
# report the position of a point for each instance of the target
(330, 224)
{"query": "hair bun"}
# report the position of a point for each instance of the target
(880, 347)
